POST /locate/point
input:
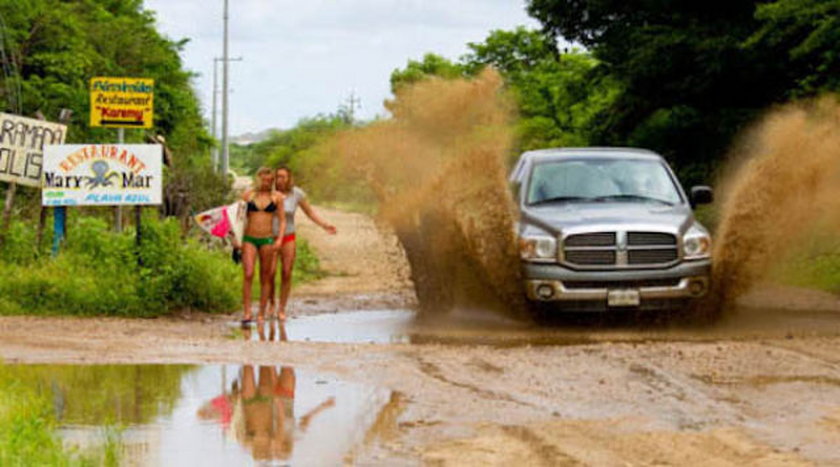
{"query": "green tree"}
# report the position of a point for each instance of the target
(53, 48)
(806, 33)
(560, 95)
(431, 65)
(692, 74)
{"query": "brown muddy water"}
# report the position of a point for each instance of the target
(210, 415)
(438, 170)
(477, 327)
(781, 191)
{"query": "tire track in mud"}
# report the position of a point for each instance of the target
(549, 454)
(833, 364)
(434, 371)
(680, 389)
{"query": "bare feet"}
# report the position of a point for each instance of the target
(247, 318)
(281, 315)
(271, 310)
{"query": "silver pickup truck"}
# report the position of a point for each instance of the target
(609, 228)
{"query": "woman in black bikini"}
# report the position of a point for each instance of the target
(259, 240)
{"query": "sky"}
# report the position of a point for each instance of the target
(301, 58)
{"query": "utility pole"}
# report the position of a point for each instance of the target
(215, 127)
(225, 149)
(354, 101)
(118, 208)
(213, 117)
(350, 107)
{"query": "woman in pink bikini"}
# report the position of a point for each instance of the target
(294, 197)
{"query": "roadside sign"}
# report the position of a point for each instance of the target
(102, 175)
(121, 102)
(22, 143)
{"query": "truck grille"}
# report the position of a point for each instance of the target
(591, 257)
(650, 238)
(614, 250)
(592, 239)
(651, 256)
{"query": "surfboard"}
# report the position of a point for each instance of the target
(224, 221)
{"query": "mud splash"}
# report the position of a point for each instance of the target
(437, 168)
(786, 186)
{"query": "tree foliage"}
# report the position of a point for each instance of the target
(559, 95)
(53, 49)
(692, 74)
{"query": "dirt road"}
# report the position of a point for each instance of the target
(475, 389)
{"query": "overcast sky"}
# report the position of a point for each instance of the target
(301, 58)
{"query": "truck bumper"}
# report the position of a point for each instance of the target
(656, 289)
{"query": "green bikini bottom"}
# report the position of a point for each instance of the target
(258, 241)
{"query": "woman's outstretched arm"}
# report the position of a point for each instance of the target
(307, 208)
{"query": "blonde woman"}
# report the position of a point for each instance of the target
(285, 231)
(259, 241)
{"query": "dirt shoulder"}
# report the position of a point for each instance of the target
(362, 258)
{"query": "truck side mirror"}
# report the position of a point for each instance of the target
(701, 194)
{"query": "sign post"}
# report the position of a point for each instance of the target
(101, 175)
(121, 103)
(118, 209)
(22, 143)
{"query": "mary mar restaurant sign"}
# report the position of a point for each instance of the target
(102, 175)
(22, 142)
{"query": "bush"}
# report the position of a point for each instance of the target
(101, 272)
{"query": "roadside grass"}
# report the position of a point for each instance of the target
(101, 272)
(28, 431)
(815, 265)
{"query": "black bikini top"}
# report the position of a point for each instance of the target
(252, 207)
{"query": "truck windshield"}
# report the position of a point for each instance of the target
(598, 180)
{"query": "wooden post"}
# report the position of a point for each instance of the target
(59, 228)
(64, 116)
(138, 239)
(7, 210)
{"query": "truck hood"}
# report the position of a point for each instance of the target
(607, 217)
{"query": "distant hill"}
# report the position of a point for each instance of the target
(251, 138)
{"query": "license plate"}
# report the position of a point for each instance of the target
(623, 298)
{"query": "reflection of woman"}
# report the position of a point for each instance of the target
(259, 240)
(294, 197)
(262, 403)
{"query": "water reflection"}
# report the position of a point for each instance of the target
(216, 414)
(258, 409)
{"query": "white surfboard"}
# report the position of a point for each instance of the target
(224, 221)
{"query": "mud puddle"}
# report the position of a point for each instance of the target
(478, 327)
(209, 415)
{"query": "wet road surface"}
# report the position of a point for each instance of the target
(762, 388)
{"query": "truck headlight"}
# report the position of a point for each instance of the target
(697, 244)
(537, 248)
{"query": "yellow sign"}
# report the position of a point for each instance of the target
(122, 102)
